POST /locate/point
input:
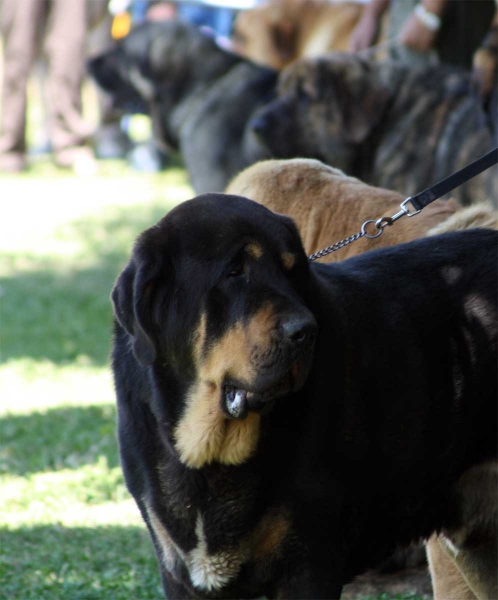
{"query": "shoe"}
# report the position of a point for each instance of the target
(12, 162)
(78, 158)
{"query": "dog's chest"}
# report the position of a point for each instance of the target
(216, 535)
(213, 569)
(209, 527)
(209, 569)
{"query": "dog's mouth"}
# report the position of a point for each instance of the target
(238, 402)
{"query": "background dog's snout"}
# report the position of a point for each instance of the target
(259, 124)
(300, 330)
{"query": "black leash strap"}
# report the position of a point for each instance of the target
(418, 202)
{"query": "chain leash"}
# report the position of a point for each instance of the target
(380, 225)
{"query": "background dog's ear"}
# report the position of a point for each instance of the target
(132, 302)
(358, 95)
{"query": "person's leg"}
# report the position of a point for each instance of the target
(65, 48)
(20, 20)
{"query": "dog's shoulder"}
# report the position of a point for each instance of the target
(436, 279)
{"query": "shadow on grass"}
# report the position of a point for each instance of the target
(60, 438)
(101, 563)
(60, 311)
(47, 562)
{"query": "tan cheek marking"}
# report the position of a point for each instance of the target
(288, 260)
(241, 440)
(199, 434)
(230, 355)
(200, 338)
(260, 328)
(269, 535)
(204, 433)
(254, 250)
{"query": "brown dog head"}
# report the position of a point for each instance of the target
(326, 108)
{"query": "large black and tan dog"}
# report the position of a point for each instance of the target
(282, 425)
(201, 97)
(391, 125)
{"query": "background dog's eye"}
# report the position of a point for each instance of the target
(237, 270)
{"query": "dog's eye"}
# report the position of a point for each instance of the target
(237, 267)
(237, 270)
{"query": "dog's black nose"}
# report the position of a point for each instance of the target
(259, 124)
(300, 330)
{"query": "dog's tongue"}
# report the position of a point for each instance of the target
(236, 401)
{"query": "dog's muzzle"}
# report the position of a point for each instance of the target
(298, 335)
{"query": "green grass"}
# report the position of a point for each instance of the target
(68, 527)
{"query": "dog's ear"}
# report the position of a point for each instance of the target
(132, 301)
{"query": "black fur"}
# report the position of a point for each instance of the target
(400, 400)
(204, 94)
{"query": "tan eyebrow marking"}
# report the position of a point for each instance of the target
(254, 250)
(289, 260)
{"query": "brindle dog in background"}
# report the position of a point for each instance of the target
(201, 97)
(282, 425)
(391, 125)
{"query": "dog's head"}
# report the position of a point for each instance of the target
(326, 108)
(158, 61)
(214, 298)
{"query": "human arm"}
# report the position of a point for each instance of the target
(421, 28)
(367, 29)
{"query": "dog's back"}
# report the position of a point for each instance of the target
(421, 320)
(328, 205)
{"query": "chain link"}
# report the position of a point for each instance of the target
(336, 246)
(380, 225)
